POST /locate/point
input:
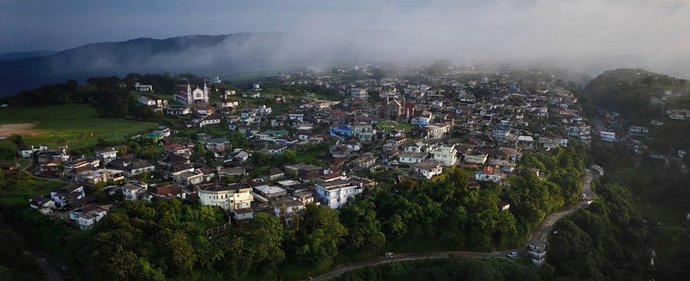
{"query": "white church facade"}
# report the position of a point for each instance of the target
(190, 97)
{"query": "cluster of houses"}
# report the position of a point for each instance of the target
(409, 130)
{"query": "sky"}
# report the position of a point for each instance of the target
(589, 35)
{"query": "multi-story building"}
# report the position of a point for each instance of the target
(364, 132)
(336, 193)
(446, 154)
(229, 197)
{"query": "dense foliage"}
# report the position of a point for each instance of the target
(629, 92)
(448, 214)
(454, 268)
(607, 241)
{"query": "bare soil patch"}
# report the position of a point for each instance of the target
(24, 129)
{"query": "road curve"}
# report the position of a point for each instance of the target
(540, 233)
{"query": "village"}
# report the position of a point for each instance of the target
(374, 130)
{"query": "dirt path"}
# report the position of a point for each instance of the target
(538, 234)
(24, 129)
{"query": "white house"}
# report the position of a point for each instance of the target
(428, 169)
(229, 197)
(85, 217)
(488, 174)
(135, 191)
(472, 157)
(139, 167)
(143, 88)
(336, 193)
(42, 204)
(446, 154)
(607, 136)
(106, 155)
(363, 131)
(286, 207)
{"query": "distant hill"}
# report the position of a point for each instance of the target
(201, 54)
(23, 55)
(633, 92)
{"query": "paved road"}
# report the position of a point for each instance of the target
(539, 233)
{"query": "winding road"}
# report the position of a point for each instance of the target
(540, 233)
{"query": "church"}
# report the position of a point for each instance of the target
(187, 96)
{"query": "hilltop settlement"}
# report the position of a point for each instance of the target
(249, 150)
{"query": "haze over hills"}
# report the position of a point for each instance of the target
(200, 54)
(213, 55)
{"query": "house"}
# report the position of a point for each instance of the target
(229, 197)
(336, 193)
(435, 132)
(243, 214)
(607, 136)
(413, 153)
(475, 157)
(365, 161)
(299, 117)
(364, 132)
(275, 173)
(638, 130)
(187, 178)
(106, 155)
(268, 191)
(445, 154)
(208, 120)
(152, 101)
(359, 93)
(427, 169)
(63, 196)
(93, 177)
(139, 167)
(288, 206)
(204, 110)
(135, 191)
(488, 174)
(536, 250)
(85, 217)
(526, 142)
(178, 110)
(217, 145)
(26, 151)
(500, 132)
(422, 120)
(168, 191)
(42, 204)
(143, 88)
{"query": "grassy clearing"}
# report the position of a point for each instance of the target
(76, 125)
(18, 192)
(388, 125)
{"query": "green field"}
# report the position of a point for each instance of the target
(76, 125)
(18, 193)
(388, 125)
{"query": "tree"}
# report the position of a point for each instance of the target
(318, 236)
(364, 229)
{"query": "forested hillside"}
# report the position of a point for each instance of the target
(634, 93)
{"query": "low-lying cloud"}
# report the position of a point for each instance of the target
(582, 35)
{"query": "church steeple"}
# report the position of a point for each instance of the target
(205, 92)
(190, 98)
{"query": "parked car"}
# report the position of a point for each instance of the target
(512, 255)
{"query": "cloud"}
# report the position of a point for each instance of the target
(585, 35)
